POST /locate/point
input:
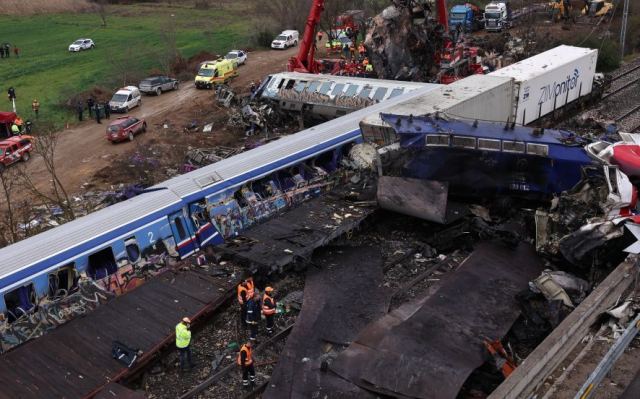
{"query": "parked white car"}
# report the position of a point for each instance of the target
(286, 39)
(125, 99)
(239, 56)
(81, 44)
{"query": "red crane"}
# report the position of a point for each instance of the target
(443, 18)
(305, 60)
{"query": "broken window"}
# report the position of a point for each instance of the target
(281, 83)
(102, 264)
(379, 93)
(489, 145)
(513, 146)
(437, 140)
(396, 92)
(182, 233)
(19, 302)
(612, 176)
(132, 248)
(326, 86)
(464, 142)
(62, 281)
(337, 89)
(351, 90)
(290, 84)
(239, 197)
(538, 149)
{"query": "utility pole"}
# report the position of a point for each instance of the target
(623, 29)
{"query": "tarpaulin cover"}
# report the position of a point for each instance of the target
(429, 353)
(339, 300)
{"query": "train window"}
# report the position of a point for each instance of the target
(19, 302)
(280, 83)
(133, 250)
(437, 140)
(313, 86)
(326, 86)
(337, 89)
(182, 233)
(396, 92)
(379, 93)
(365, 92)
(63, 281)
(538, 149)
(489, 145)
(290, 84)
(464, 142)
(513, 146)
(351, 90)
(299, 87)
(102, 264)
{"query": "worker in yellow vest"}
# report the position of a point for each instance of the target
(183, 342)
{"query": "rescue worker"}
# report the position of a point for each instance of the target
(19, 122)
(269, 308)
(245, 291)
(11, 93)
(107, 110)
(80, 110)
(35, 106)
(97, 110)
(253, 317)
(345, 51)
(362, 50)
(352, 50)
(245, 361)
(183, 342)
(90, 104)
(15, 130)
(368, 68)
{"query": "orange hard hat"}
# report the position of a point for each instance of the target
(268, 289)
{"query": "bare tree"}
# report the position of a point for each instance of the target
(45, 146)
(124, 63)
(8, 179)
(169, 52)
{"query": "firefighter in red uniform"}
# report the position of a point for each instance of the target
(269, 308)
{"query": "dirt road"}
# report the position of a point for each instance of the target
(83, 150)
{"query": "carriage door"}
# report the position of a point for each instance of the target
(205, 231)
(185, 243)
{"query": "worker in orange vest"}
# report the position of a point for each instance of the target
(362, 50)
(246, 291)
(245, 360)
(269, 308)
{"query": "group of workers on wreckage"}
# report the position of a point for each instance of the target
(251, 309)
(353, 59)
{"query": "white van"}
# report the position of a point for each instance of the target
(288, 38)
(125, 99)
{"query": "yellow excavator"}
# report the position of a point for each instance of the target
(597, 8)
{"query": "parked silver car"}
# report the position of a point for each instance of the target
(157, 84)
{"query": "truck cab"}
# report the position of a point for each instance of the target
(216, 72)
(496, 17)
(466, 15)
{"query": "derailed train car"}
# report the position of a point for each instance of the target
(179, 216)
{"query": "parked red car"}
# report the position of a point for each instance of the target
(124, 128)
(14, 149)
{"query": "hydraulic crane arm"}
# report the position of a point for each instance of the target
(305, 60)
(443, 18)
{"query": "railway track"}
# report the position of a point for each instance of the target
(623, 81)
(630, 119)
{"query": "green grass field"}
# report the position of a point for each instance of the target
(131, 41)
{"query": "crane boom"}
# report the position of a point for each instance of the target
(443, 18)
(305, 60)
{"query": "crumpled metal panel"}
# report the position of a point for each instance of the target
(339, 300)
(429, 353)
(424, 199)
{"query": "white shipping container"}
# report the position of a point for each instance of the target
(549, 80)
(482, 97)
